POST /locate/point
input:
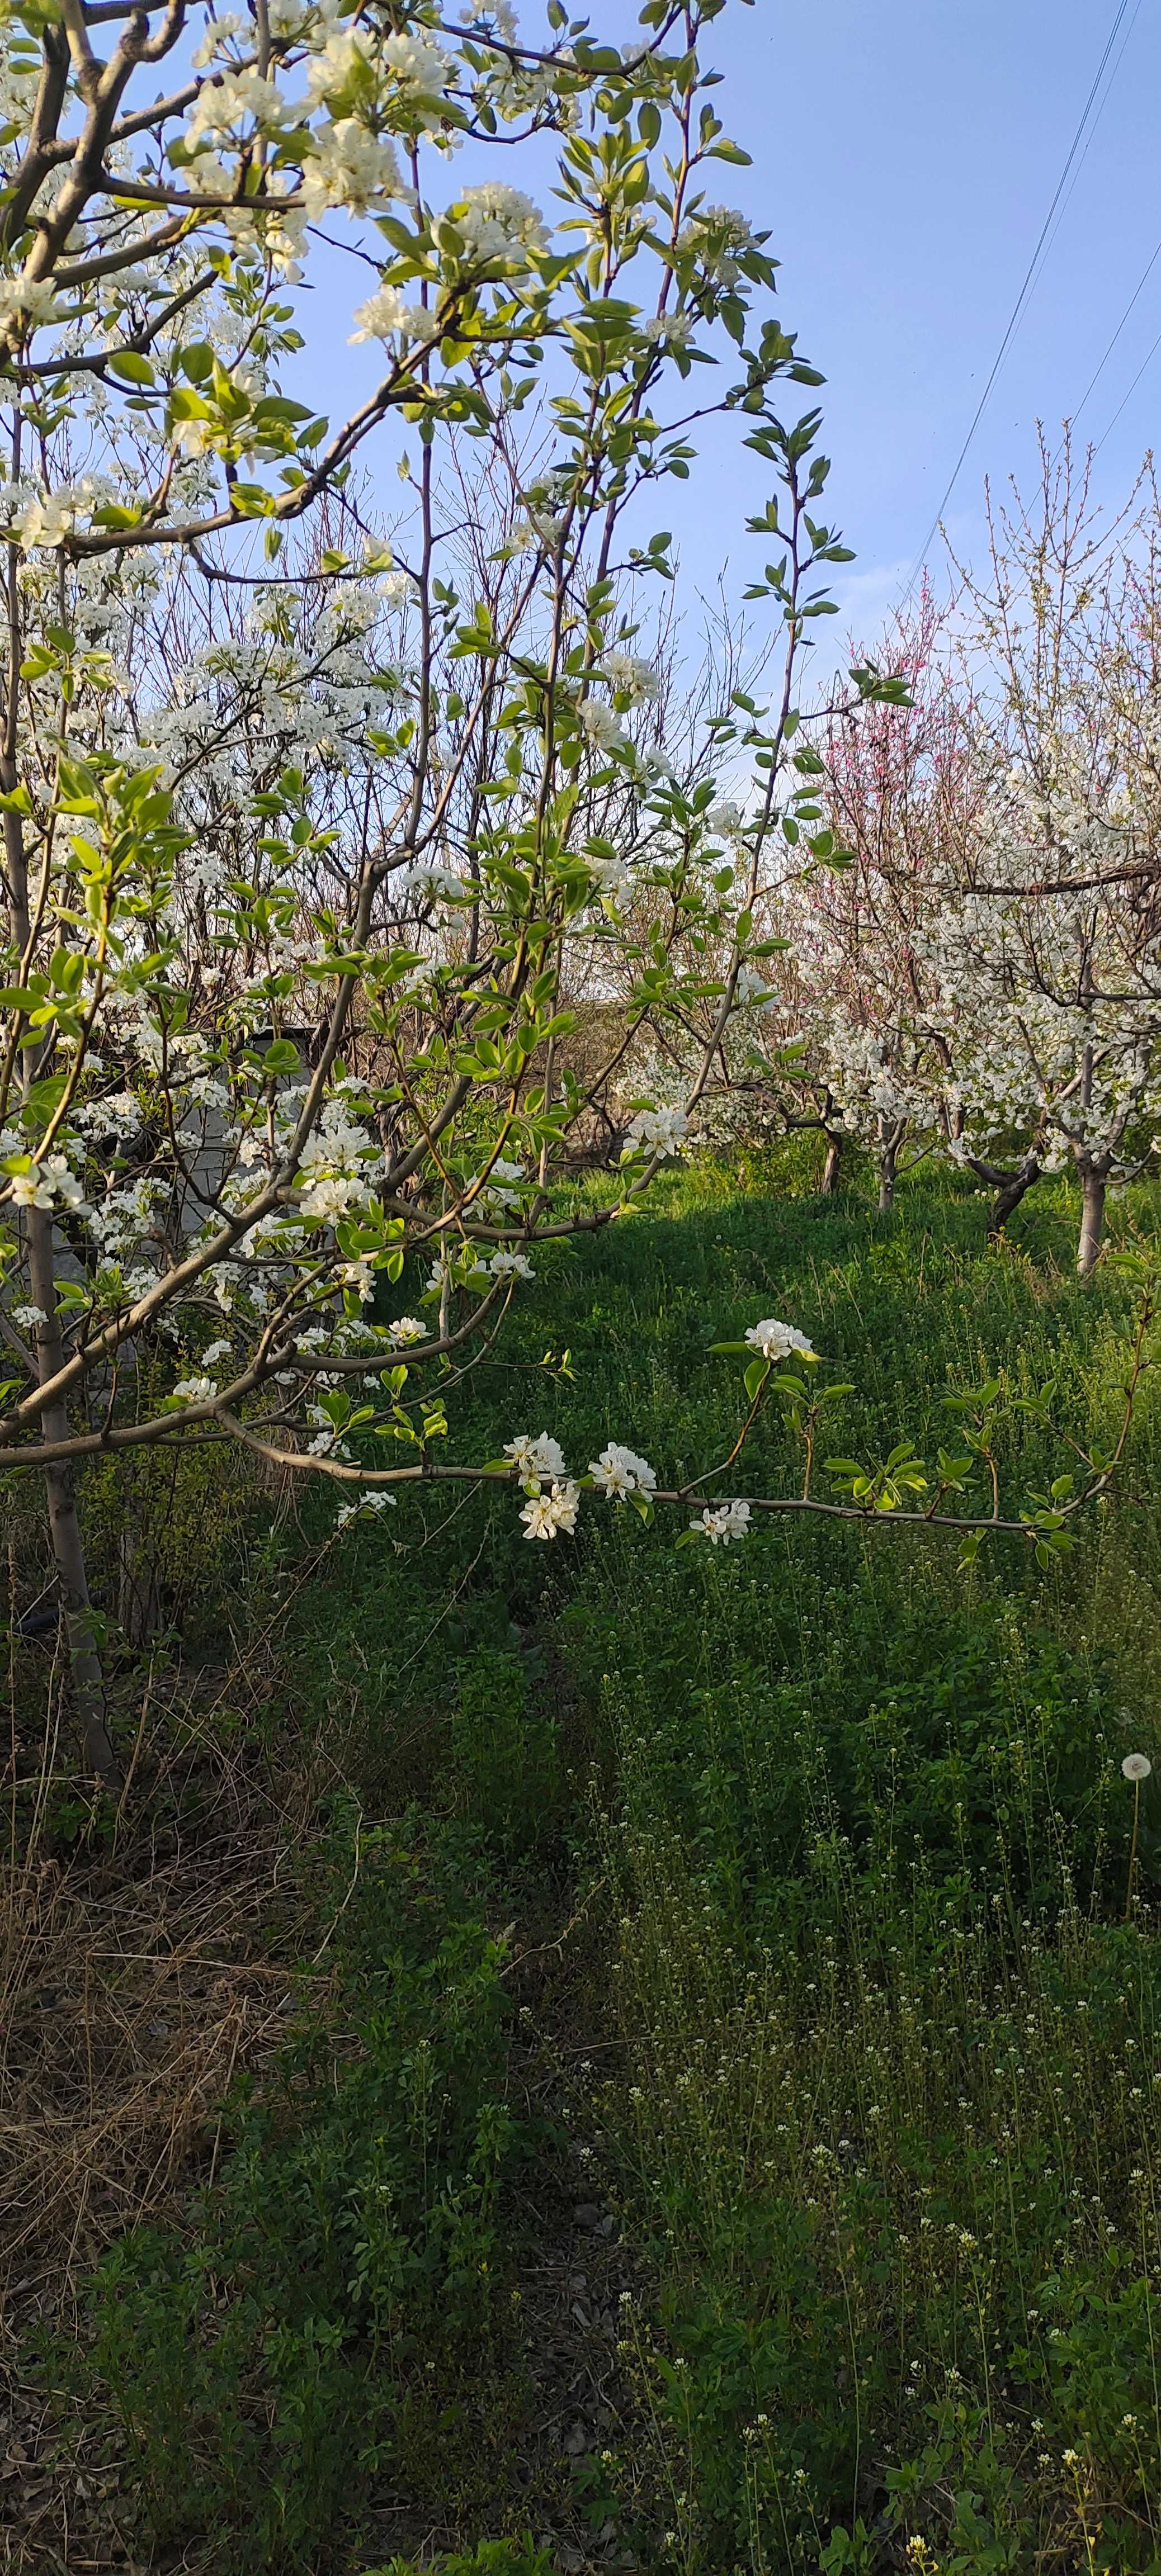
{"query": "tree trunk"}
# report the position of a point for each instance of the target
(85, 1674)
(887, 1180)
(1093, 1187)
(1009, 1195)
(830, 1169)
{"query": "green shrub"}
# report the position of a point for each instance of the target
(342, 2280)
(163, 1529)
(505, 1768)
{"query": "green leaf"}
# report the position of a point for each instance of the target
(132, 367)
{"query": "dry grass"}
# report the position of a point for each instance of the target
(145, 1962)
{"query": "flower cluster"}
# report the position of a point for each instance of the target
(776, 1341)
(722, 1522)
(619, 1472)
(545, 1515)
(657, 1131)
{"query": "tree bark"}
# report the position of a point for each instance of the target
(1008, 1197)
(830, 1169)
(85, 1673)
(887, 1180)
(1093, 1190)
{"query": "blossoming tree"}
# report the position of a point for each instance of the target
(1053, 925)
(312, 826)
(863, 1036)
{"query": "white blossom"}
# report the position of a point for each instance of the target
(430, 883)
(724, 819)
(498, 223)
(658, 1131)
(218, 34)
(776, 1341)
(385, 313)
(750, 987)
(374, 1500)
(619, 1472)
(669, 330)
(536, 1457)
(719, 239)
(25, 300)
(48, 1184)
(405, 1329)
(352, 168)
(600, 727)
(419, 66)
(544, 1515)
(510, 1265)
(233, 99)
(631, 677)
(722, 1522)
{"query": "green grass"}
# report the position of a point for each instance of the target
(849, 1840)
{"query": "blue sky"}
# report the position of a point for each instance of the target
(904, 159)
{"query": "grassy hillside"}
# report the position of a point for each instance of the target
(744, 1936)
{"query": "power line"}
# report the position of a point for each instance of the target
(1022, 297)
(1145, 362)
(1094, 379)
(1067, 200)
